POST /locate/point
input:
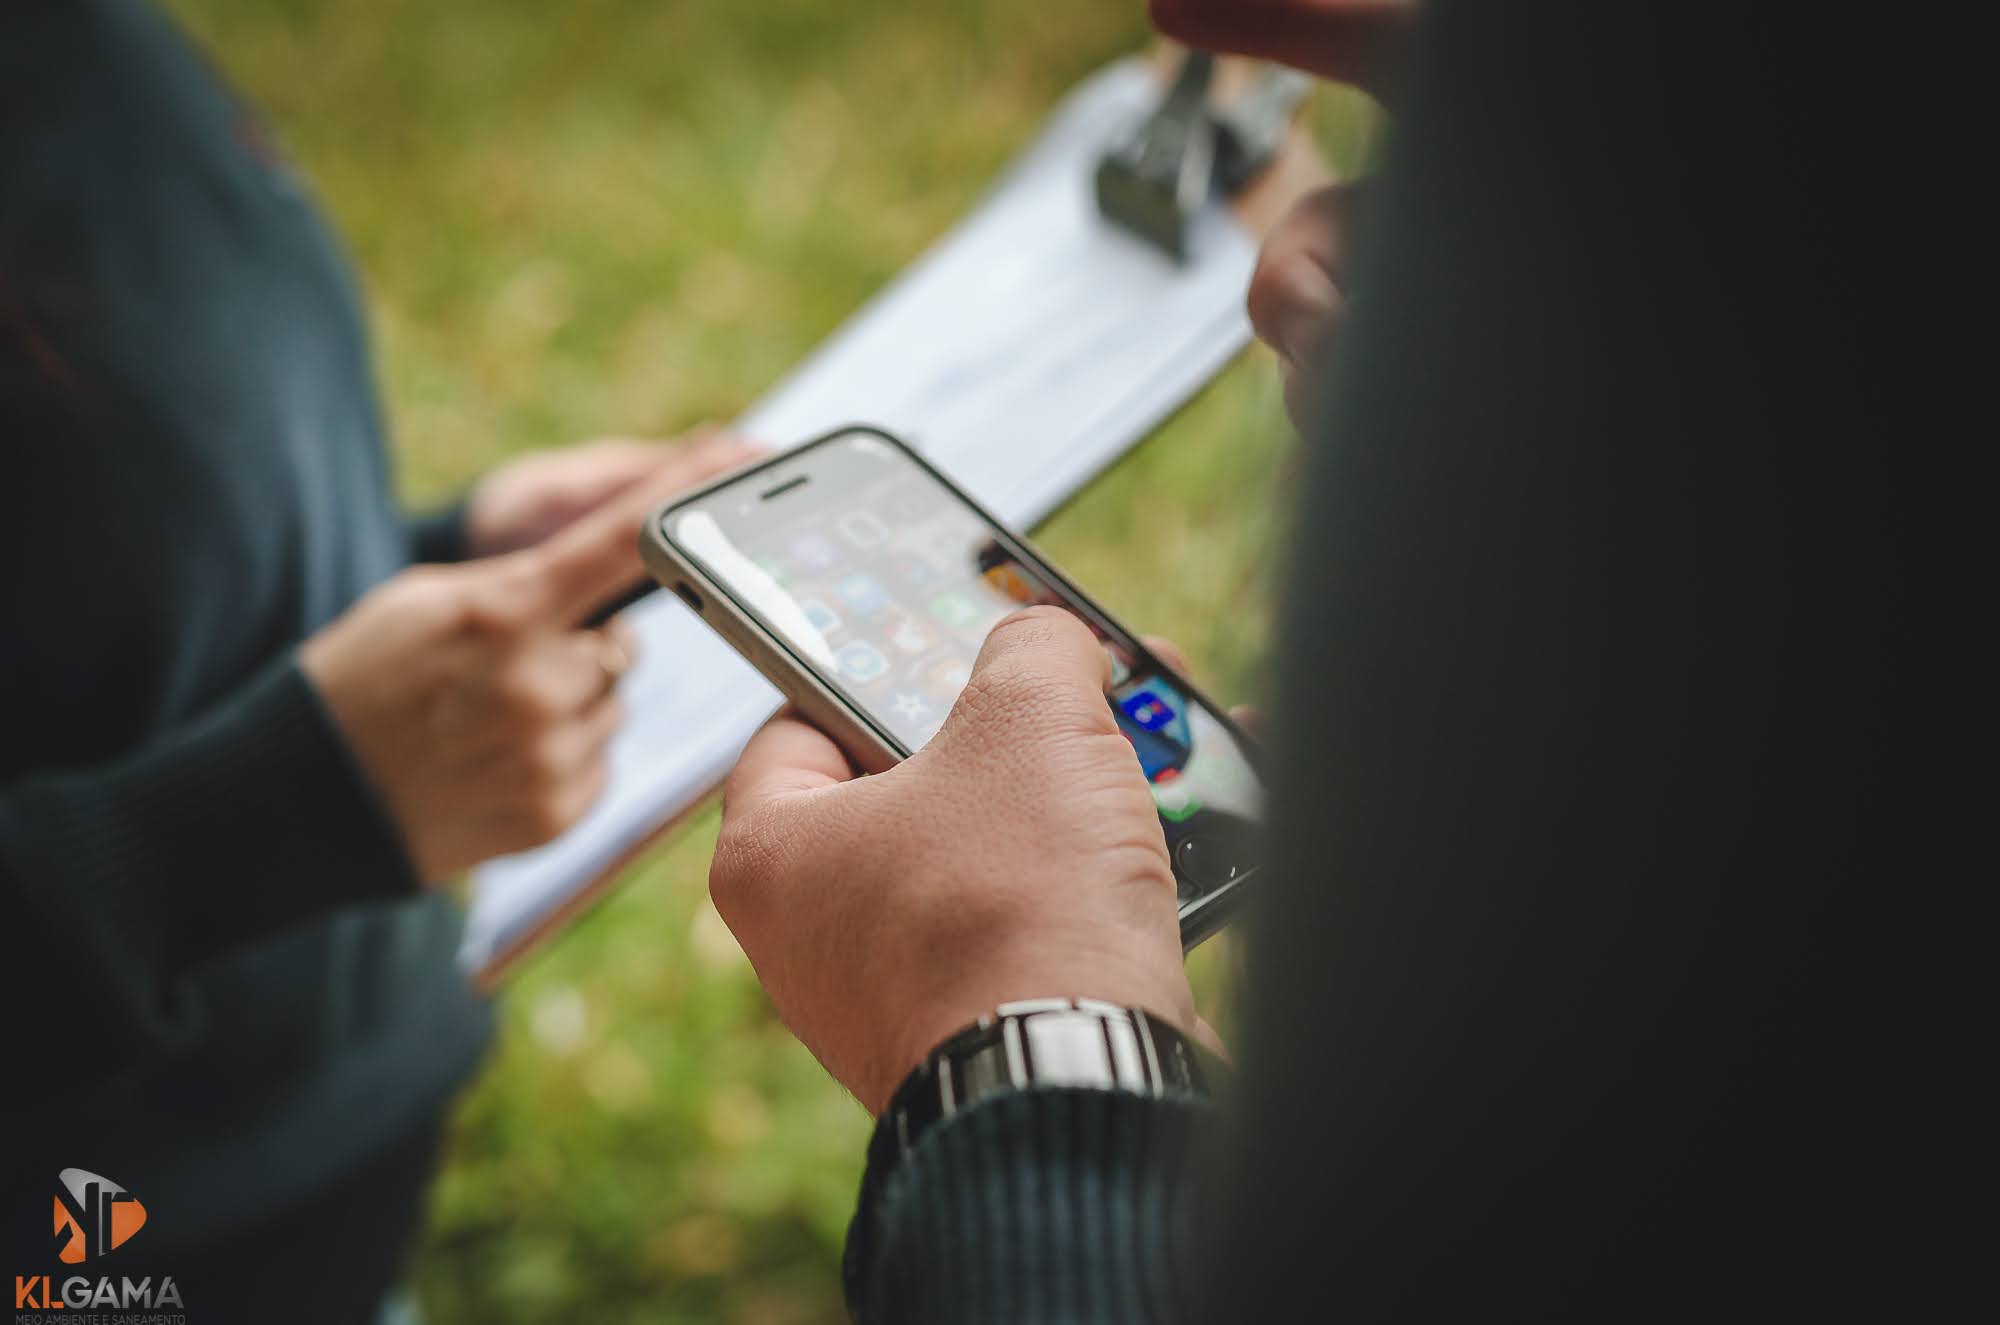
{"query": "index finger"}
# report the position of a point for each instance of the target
(596, 558)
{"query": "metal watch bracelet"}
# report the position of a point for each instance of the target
(1076, 1043)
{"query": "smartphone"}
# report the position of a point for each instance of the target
(862, 582)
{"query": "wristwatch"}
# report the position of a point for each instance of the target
(1076, 1043)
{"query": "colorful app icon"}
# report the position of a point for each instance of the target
(813, 552)
(944, 678)
(1147, 709)
(1173, 798)
(909, 637)
(863, 528)
(1014, 582)
(911, 569)
(955, 609)
(910, 706)
(821, 617)
(862, 594)
(860, 661)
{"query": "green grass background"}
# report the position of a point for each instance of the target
(583, 217)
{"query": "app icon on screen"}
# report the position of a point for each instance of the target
(862, 594)
(813, 552)
(1016, 583)
(955, 609)
(945, 677)
(1175, 801)
(909, 637)
(1147, 709)
(911, 569)
(859, 661)
(909, 706)
(863, 528)
(821, 617)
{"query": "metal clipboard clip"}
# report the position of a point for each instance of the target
(1156, 178)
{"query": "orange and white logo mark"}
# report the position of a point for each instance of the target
(97, 1215)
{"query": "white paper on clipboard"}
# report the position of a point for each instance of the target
(1022, 353)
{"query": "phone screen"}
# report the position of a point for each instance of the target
(883, 580)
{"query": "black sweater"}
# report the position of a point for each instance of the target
(218, 960)
(1600, 731)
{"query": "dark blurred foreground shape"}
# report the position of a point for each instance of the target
(1572, 994)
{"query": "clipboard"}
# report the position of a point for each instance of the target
(1024, 351)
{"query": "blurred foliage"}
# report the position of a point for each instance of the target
(626, 216)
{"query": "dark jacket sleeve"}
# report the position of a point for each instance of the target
(116, 879)
(1050, 1206)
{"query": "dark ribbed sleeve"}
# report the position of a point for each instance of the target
(1047, 1205)
(118, 878)
(439, 536)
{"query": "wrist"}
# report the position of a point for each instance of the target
(933, 1021)
(1070, 1047)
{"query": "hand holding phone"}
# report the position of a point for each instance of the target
(1017, 855)
(863, 584)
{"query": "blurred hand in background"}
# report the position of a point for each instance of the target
(1295, 293)
(474, 698)
(521, 502)
(1344, 41)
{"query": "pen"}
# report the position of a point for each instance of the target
(612, 607)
